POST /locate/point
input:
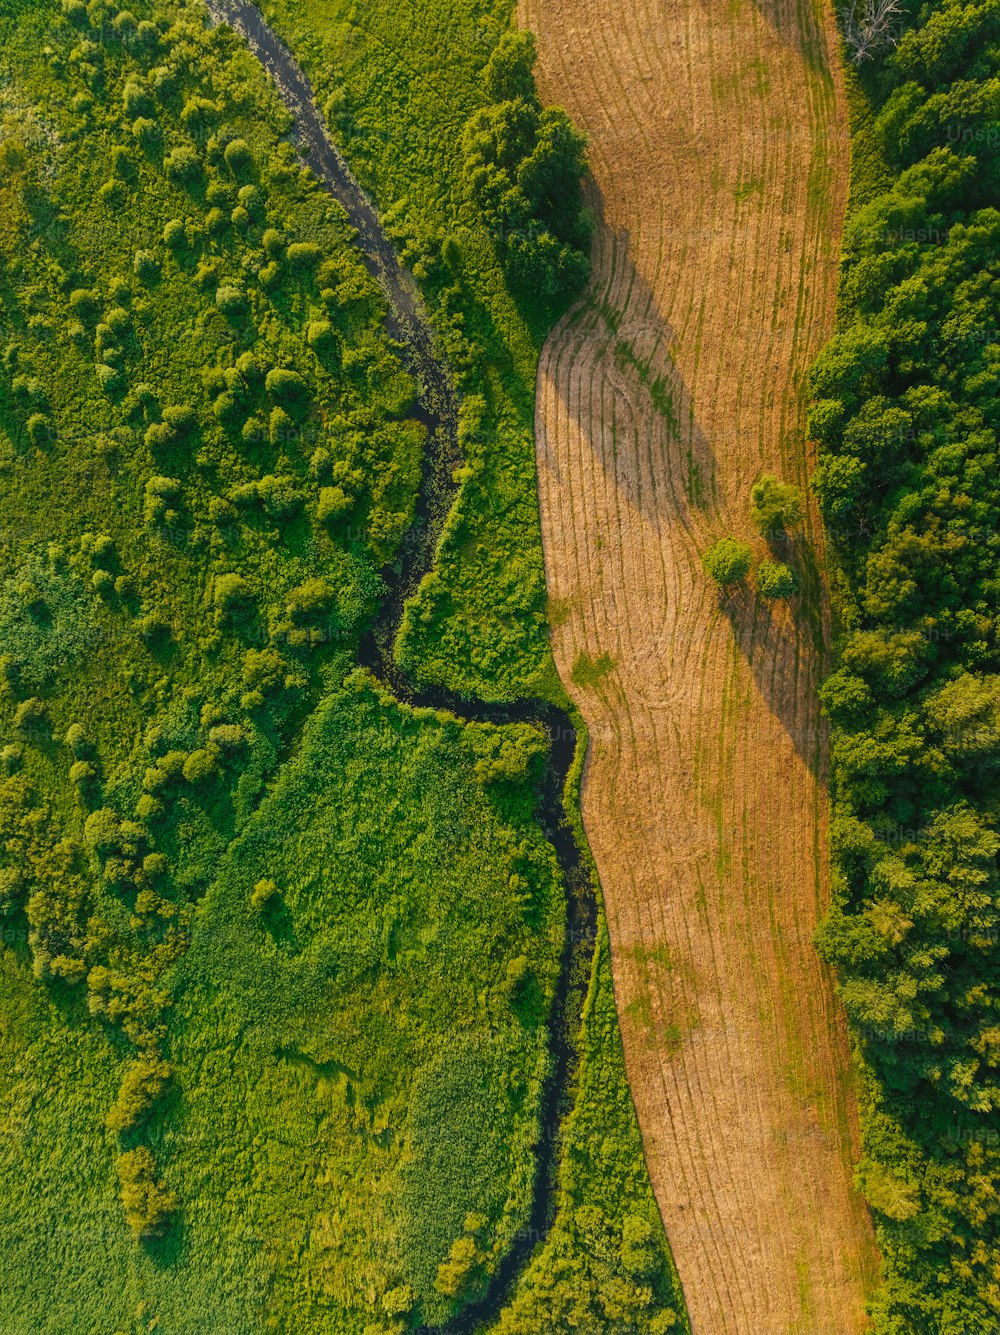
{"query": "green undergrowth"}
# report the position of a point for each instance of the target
(399, 83)
(906, 417)
(606, 1264)
(276, 952)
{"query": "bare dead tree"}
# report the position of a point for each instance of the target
(869, 27)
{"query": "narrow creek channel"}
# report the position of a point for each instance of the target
(408, 324)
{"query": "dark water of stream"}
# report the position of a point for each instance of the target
(408, 324)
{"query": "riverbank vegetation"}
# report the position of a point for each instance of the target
(906, 415)
(277, 952)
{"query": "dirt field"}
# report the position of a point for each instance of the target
(718, 144)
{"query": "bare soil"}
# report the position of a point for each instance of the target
(719, 151)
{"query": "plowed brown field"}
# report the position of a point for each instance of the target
(719, 151)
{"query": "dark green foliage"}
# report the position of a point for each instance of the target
(907, 417)
(523, 168)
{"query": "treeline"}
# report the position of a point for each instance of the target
(906, 415)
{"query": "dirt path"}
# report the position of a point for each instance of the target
(718, 144)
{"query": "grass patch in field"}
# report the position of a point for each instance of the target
(590, 672)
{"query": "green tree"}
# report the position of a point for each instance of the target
(727, 561)
(775, 506)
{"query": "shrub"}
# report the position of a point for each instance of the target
(197, 112)
(153, 628)
(231, 595)
(147, 38)
(279, 496)
(281, 428)
(274, 244)
(269, 276)
(180, 418)
(775, 580)
(239, 158)
(30, 715)
(221, 513)
(146, 266)
(175, 234)
(103, 583)
(159, 436)
(161, 496)
(125, 26)
(183, 165)
(11, 758)
(774, 506)
(264, 894)
(136, 98)
(727, 561)
(84, 303)
(167, 769)
(250, 369)
(110, 378)
(39, 429)
(287, 386)
(320, 335)
(82, 772)
(148, 1205)
(231, 301)
(333, 504)
(143, 1083)
(216, 222)
(148, 807)
(102, 830)
(77, 740)
(122, 166)
(227, 736)
(304, 255)
(146, 131)
(226, 408)
(201, 765)
(118, 320)
(251, 198)
(639, 1252)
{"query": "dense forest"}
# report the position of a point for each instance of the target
(907, 415)
(278, 951)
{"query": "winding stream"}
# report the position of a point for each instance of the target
(408, 323)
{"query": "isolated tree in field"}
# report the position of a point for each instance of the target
(775, 506)
(776, 580)
(727, 561)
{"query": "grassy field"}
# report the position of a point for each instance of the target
(277, 951)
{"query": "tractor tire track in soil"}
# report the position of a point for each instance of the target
(719, 151)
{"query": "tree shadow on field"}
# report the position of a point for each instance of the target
(660, 461)
(653, 450)
(784, 20)
(773, 639)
